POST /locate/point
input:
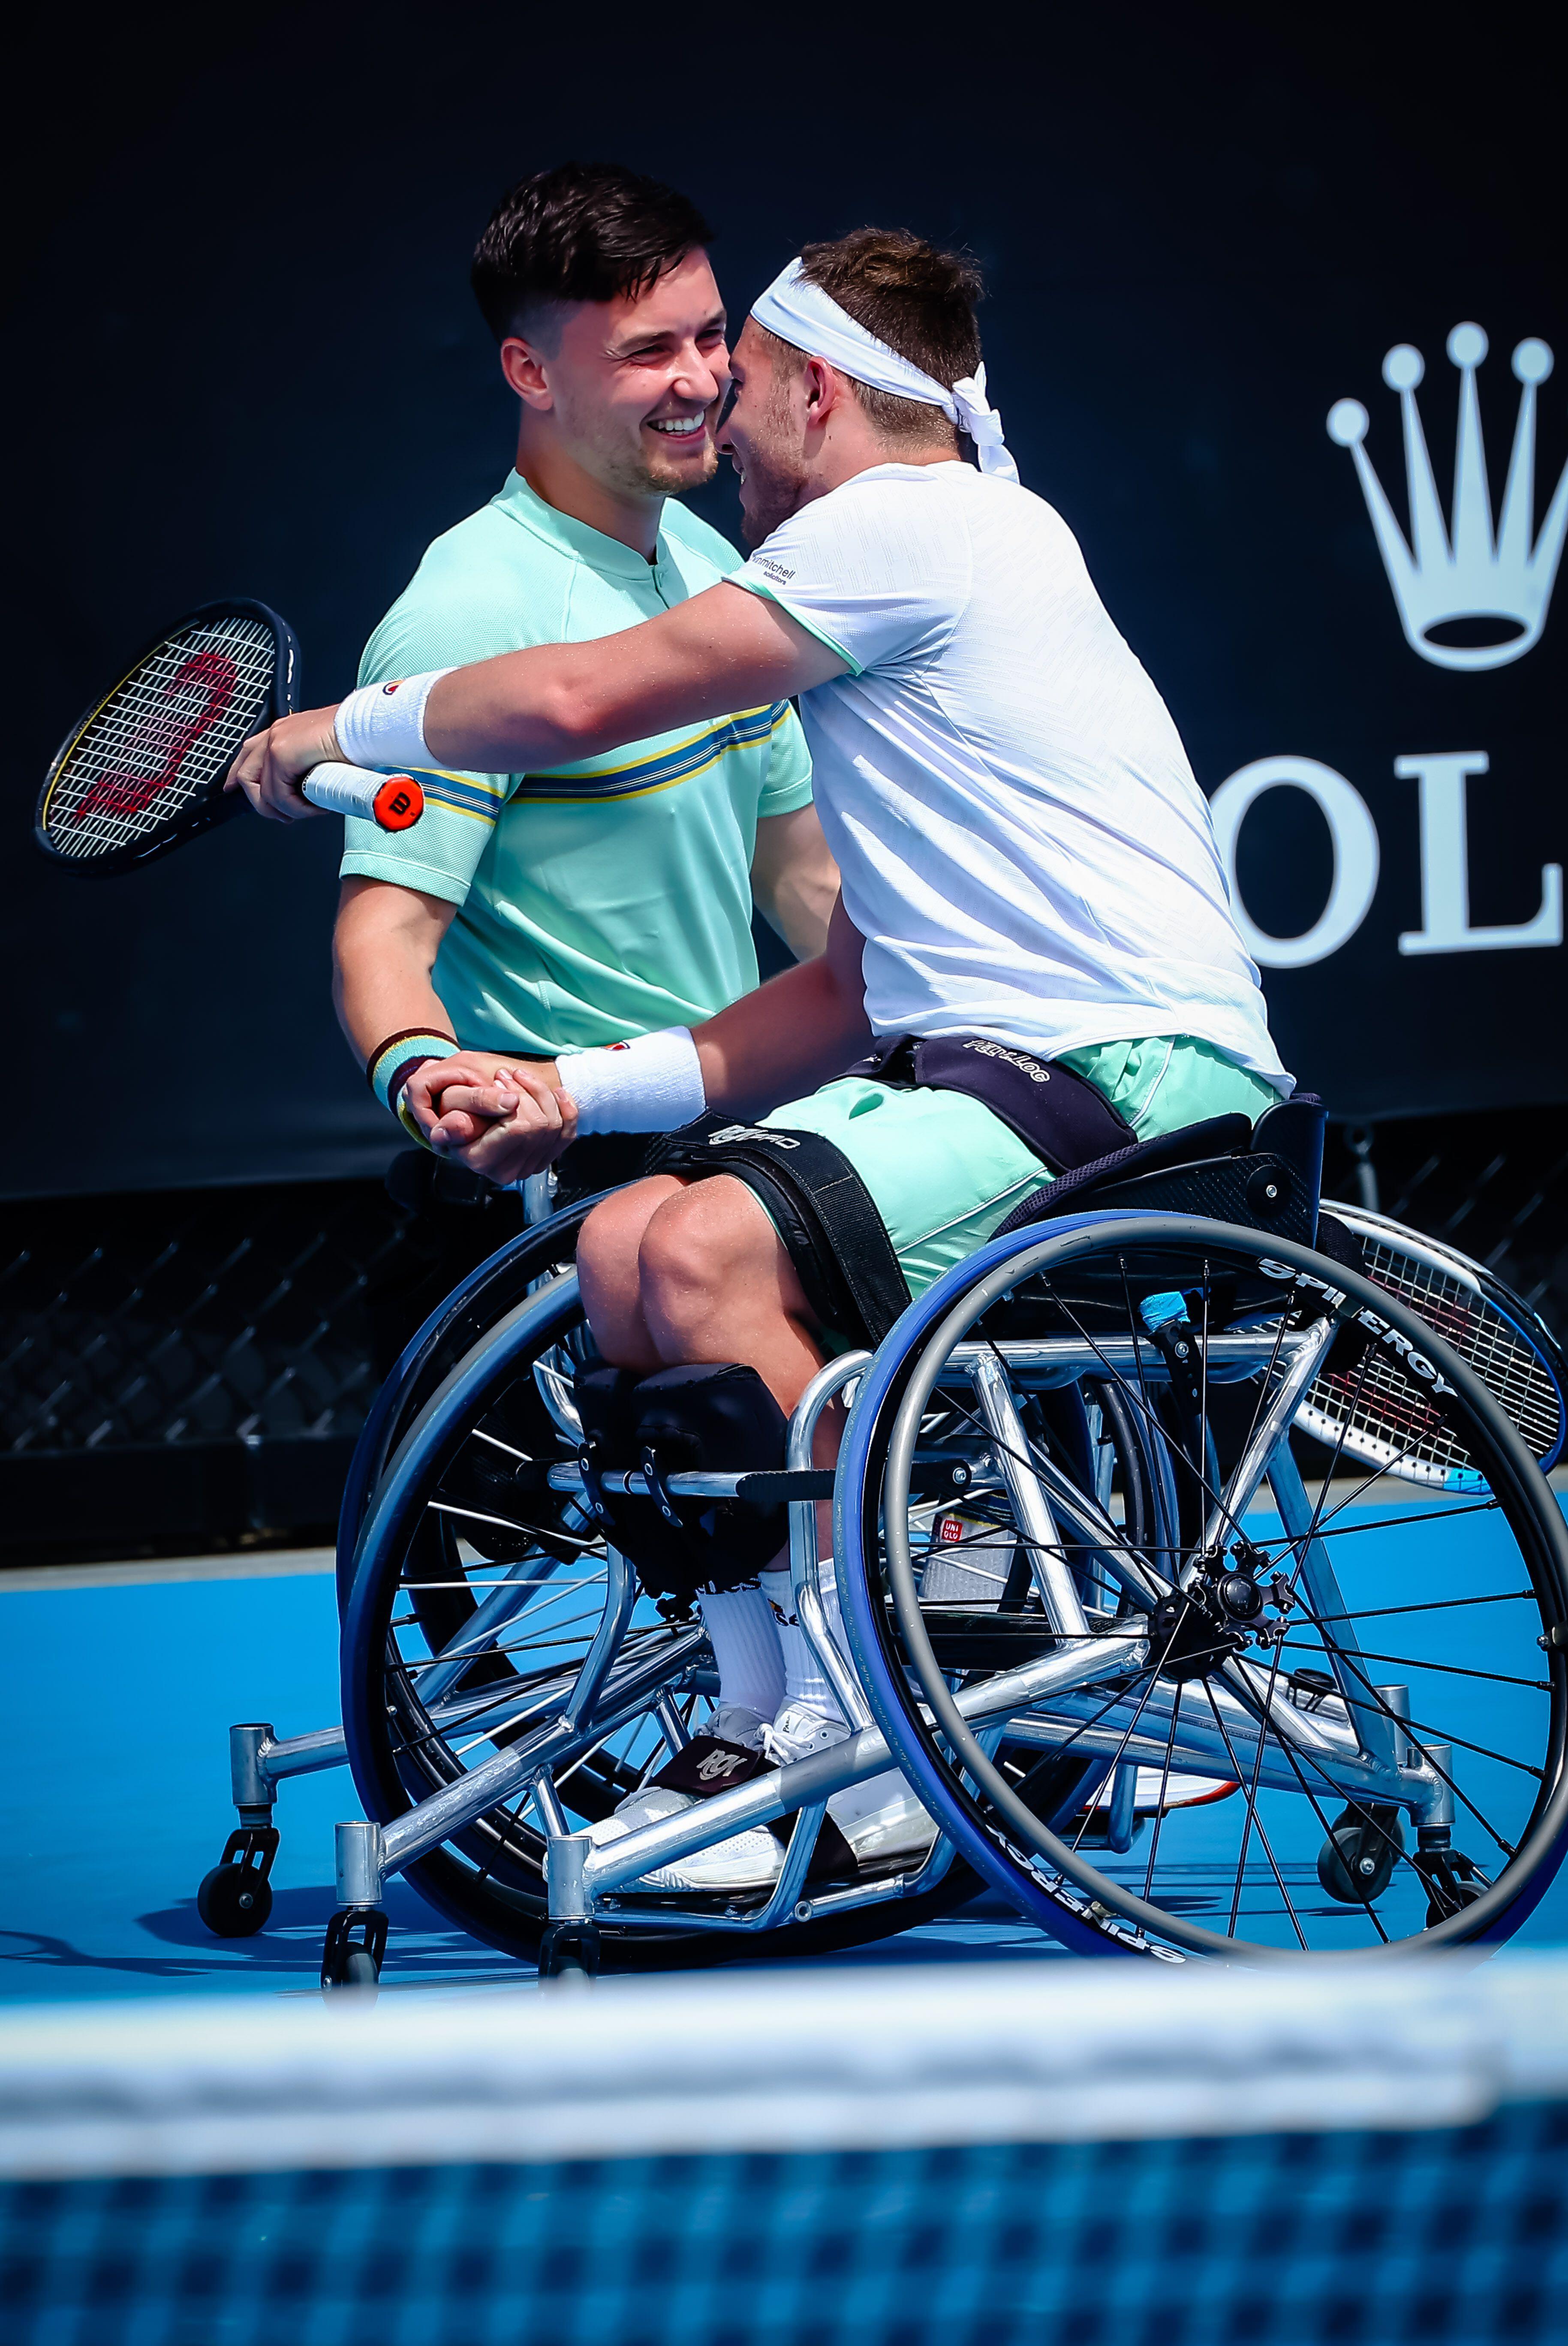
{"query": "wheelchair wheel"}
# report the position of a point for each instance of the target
(495, 1286)
(477, 1592)
(1339, 1723)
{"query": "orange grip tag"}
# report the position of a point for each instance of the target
(399, 803)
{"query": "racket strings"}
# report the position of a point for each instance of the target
(167, 734)
(1383, 1415)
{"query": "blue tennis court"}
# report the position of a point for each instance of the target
(116, 1713)
(118, 1696)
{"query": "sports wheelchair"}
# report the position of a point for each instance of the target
(1198, 1564)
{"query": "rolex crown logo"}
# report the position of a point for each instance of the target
(1486, 593)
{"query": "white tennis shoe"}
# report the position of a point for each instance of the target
(880, 1819)
(752, 1860)
(747, 1860)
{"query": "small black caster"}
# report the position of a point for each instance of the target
(356, 1944)
(569, 1951)
(1453, 1882)
(236, 1898)
(1356, 1863)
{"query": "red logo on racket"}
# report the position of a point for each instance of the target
(165, 733)
(398, 803)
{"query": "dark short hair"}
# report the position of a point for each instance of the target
(917, 299)
(581, 232)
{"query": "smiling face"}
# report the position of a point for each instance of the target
(632, 387)
(764, 431)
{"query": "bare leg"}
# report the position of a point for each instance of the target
(607, 1250)
(716, 1284)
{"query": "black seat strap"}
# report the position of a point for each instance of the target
(1066, 1119)
(822, 1210)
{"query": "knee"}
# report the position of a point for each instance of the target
(696, 1248)
(607, 1265)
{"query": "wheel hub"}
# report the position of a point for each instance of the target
(1195, 1630)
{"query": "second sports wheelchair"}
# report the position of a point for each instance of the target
(1198, 1568)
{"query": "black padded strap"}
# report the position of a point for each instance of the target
(822, 1210)
(1066, 1119)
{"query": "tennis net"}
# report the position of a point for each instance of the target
(862, 2157)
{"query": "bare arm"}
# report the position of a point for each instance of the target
(725, 649)
(794, 880)
(799, 1030)
(383, 951)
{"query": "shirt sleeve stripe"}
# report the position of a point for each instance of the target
(674, 765)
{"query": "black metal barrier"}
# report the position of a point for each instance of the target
(188, 1370)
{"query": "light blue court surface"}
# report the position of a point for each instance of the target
(115, 1707)
(116, 1699)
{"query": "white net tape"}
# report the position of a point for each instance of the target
(165, 734)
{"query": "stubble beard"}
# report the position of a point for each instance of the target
(771, 495)
(628, 473)
(627, 469)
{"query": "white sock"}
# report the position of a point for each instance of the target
(803, 1679)
(745, 1640)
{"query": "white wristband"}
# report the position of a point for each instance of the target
(653, 1084)
(383, 725)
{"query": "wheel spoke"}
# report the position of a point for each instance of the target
(1437, 1604)
(1254, 1818)
(1165, 1785)
(1449, 1669)
(1415, 1727)
(1126, 1739)
(1252, 1787)
(505, 1524)
(1425, 1726)
(1406, 1516)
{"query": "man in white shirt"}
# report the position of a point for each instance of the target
(1027, 862)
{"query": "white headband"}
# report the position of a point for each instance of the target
(802, 315)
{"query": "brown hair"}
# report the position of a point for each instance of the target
(581, 232)
(918, 300)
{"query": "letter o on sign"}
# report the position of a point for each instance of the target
(1354, 836)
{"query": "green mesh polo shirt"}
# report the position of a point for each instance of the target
(599, 900)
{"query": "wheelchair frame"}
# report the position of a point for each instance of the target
(1366, 1756)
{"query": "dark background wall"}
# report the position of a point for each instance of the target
(249, 361)
(244, 359)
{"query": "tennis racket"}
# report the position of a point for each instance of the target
(143, 772)
(1376, 1413)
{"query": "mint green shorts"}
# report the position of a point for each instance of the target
(945, 1171)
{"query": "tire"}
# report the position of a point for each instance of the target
(476, 1437)
(497, 1285)
(1493, 1691)
(234, 1901)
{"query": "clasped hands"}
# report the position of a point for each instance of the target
(505, 1119)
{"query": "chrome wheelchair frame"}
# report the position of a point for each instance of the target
(1108, 1681)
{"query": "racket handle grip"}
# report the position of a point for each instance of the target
(393, 801)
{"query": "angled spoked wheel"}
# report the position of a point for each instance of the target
(479, 1588)
(1340, 1726)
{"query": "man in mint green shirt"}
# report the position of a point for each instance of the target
(528, 913)
(607, 898)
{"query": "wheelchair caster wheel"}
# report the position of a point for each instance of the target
(1357, 1861)
(1453, 1882)
(236, 1898)
(234, 1901)
(569, 1951)
(356, 1942)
